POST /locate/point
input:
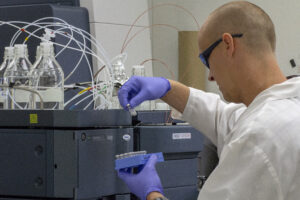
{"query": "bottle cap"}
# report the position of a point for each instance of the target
(8, 52)
(21, 50)
(47, 48)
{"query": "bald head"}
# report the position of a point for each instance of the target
(240, 17)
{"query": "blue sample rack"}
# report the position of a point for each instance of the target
(136, 160)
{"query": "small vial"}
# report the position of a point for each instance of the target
(138, 70)
(131, 110)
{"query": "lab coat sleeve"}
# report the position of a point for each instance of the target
(211, 116)
(244, 172)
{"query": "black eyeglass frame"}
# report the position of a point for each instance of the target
(205, 54)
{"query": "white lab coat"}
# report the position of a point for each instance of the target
(258, 145)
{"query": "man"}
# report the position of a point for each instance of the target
(258, 134)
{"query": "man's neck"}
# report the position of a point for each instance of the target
(261, 76)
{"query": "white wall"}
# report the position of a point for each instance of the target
(285, 15)
(110, 21)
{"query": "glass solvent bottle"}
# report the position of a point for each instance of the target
(17, 74)
(48, 80)
(7, 59)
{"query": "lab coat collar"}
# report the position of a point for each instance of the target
(287, 89)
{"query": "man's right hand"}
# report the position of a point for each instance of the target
(139, 89)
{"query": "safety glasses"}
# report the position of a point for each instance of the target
(205, 54)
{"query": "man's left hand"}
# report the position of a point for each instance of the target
(146, 181)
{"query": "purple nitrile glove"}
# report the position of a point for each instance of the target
(138, 89)
(146, 181)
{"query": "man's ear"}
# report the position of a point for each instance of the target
(229, 43)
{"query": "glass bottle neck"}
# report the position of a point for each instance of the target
(6, 57)
(21, 55)
(47, 55)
